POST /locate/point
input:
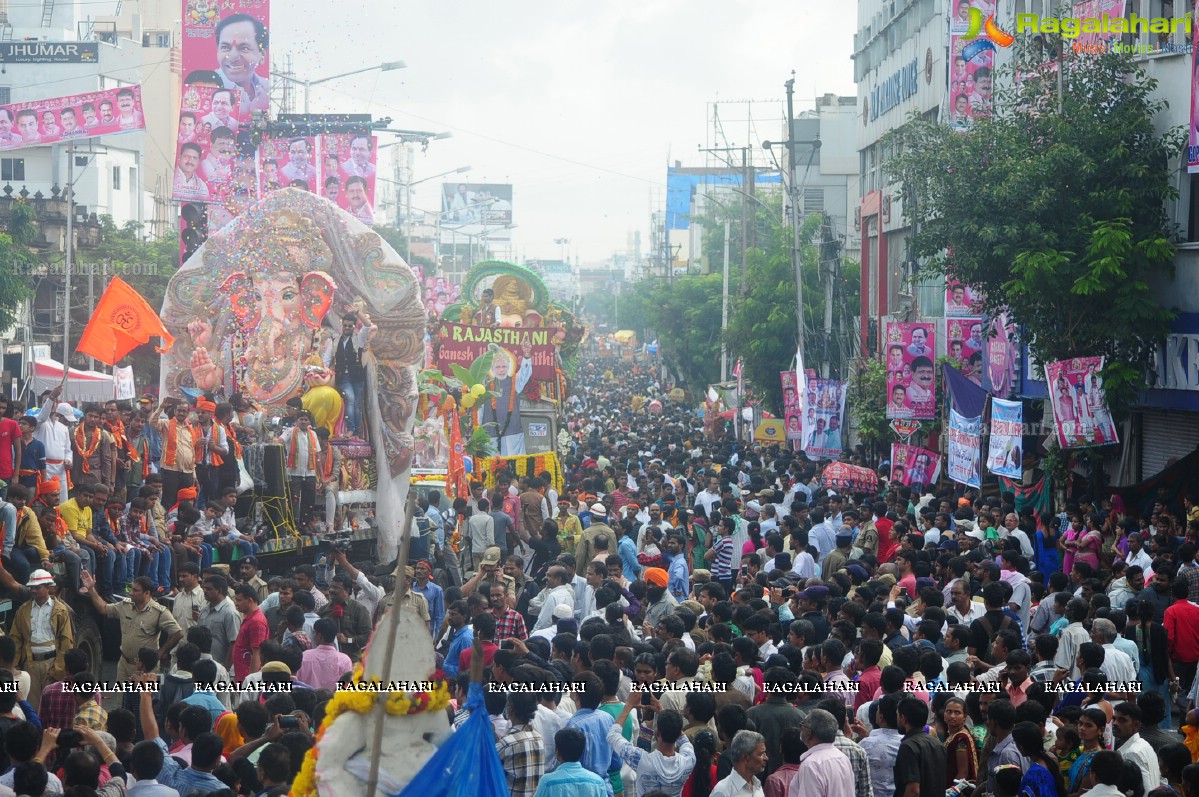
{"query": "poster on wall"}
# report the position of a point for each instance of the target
(971, 80)
(826, 406)
(1005, 455)
(965, 449)
(71, 118)
(964, 343)
(911, 373)
(1080, 410)
(911, 465)
(792, 410)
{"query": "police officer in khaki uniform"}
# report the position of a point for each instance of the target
(143, 620)
(411, 599)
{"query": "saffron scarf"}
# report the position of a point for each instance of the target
(313, 445)
(172, 442)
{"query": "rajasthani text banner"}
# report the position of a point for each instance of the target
(965, 449)
(1080, 410)
(912, 465)
(1005, 455)
(533, 347)
(826, 414)
(78, 116)
(911, 373)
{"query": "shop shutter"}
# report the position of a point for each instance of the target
(1166, 435)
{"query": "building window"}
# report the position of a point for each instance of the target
(5, 95)
(813, 200)
(116, 178)
(132, 178)
(12, 169)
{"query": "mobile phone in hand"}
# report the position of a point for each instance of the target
(288, 721)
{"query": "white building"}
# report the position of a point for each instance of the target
(126, 176)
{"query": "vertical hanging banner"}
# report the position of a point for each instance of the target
(347, 173)
(911, 373)
(964, 343)
(792, 410)
(1005, 455)
(289, 163)
(1080, 410)
(965, 449)
(1001, 357)
(971, 70)
(960, 300)
(1096, 9)
(914, 465)
(822, 437)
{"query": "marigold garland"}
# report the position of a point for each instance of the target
(397, 704)
(529, 465)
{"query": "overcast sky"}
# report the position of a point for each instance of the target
(578, 105)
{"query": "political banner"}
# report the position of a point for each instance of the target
(964, 344)
(792, 408)
(1095, 9)
(347, 173)
(912, 465)
(960, 300)
(971, 80)
(965, 449)
(226, 43)
(71, 118)
(826, 415)
(438, 294)
(1080, 410)
(532, 348)
(911, 373)
(1001, 357)
(1005, 454)
(288, 163)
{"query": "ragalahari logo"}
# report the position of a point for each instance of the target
(977, 26)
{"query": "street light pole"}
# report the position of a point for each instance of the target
(386, 66)
(796, 254)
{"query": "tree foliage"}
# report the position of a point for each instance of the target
(684, 316)
(867, 403)
(16, 261)
(1059, 217)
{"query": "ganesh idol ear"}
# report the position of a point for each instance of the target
(238, 288)
(316, 291)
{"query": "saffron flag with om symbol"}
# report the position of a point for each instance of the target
(121, 322)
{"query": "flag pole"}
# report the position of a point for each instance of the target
(66, 293)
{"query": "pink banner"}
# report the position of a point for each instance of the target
(225, 44)
(348, 164)
(1095, 9)
(792, 408)
(965, 339)
(1080, 410)
(912, 465)
(289, 163)
(960, 300)
(971, 81)
(911, 370)
(78, 116)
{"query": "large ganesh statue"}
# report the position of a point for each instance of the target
(267, 292)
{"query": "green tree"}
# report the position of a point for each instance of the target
(867, 403)
(16, 261)
(684, 317)
(1057, 216)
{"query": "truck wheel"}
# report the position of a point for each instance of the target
(88, 639)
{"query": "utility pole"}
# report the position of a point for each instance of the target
(743, 282)
(828, 262)
(796, 254)
(724, 310)
(66, 292)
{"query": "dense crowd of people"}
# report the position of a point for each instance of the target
(680, 614)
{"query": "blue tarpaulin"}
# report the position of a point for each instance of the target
(966, 398)
(467, 765)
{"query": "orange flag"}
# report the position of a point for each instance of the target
(122, 321)
(456, 475)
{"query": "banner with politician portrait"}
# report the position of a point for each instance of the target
(965, 449)
(1005, 455)
(964, 343)
(1080, 410)
(792, 407)
(227, 43)
(347, 173)
(912, 465)
(911, 371)
(960, 300)
(476, 210)
(71, 118)
(826, 415)
(971, 80)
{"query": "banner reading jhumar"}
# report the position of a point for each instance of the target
(965, 449)
(462, 344)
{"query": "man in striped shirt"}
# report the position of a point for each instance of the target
(721, 554)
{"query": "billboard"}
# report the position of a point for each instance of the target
(911, 370)
(971, 68)
(77, 116)
(49, 52)
(347, 173)
(965, 449)
(1005, 454)
(1080, 410)
(476, 210)
(792, 409)
(532, 348)
(825, 418)
(912, 465)
(964, 344)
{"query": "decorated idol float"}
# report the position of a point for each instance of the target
(251, 311)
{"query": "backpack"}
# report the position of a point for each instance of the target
(991, 634)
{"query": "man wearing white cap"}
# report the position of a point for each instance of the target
(585, 550)
(53, 433)
(42, 632)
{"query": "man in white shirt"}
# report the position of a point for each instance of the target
(54, 433)
(1116, 663)
(558, 591)
(961, 607)
(748, 751)
(300, 445)
(709, 497)
(1138, 556)
(823, 536)
(1126, 726)
(655, 521)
